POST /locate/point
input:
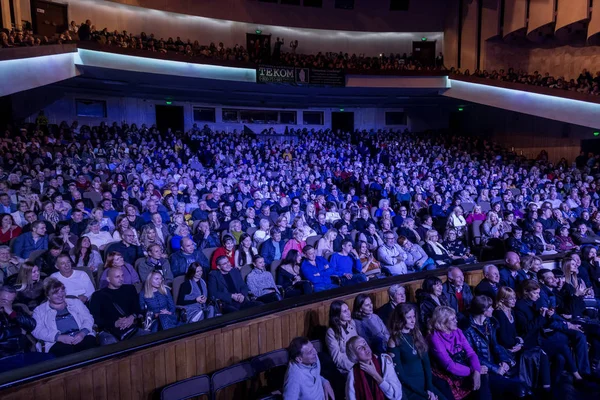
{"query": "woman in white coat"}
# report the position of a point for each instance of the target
(65, 325)
(371, 377)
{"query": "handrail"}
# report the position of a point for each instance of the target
(122, 349)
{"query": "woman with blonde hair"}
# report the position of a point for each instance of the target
(30, 286)
(149, 237)
(307, 231)
(325, 244)
(157, 299)
(453, 358)
(456, 220)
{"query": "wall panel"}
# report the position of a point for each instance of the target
(541, 14)
(594, 26)
(490, 25)
(470, 19)
(570, 12)
(515, 16)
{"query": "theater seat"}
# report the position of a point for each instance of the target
(193, 387)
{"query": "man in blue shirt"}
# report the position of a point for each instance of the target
(346, 266)
(28, 242)
(316, 270)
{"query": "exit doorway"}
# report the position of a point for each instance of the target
(424, 52)
(343, 121)
(169, 117)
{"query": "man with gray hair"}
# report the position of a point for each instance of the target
(458, 293)
(397, 294)
(490, 283)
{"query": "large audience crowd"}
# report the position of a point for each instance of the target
(115, 231)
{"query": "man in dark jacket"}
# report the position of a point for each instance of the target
(512, 275)
(458, 294)
(14, 345)
(115, 309)
(226, 284)
(272, 249)
(128, 249)
(187, 254)
(489, 285)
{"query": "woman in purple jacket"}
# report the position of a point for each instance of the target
(453, 359)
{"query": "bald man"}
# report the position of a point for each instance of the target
(115, 309)
(511, 274)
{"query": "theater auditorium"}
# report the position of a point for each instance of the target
(299, 199)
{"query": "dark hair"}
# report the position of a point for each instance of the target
(219, 259)
(290, 258)
(226, 238)
(307, 248)
(295, 347)
(241, 255)
(8, 289)
(358, 303)
(429, 283)
(480, 304)
(542, 272)
(585, 252)
(397, 322)
(191, 270)
(335, 322)
(345, 242)
(56, 243)
(529, 286)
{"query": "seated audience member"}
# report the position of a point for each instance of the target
(303, 380)
(47, 260)
(589, 270)
(416, 258)
(14, 325)
(408, 230)
(368, 324)
(564, 242)
(515, 242)
(156, 298)
(128, 248)
(227, 249)
(429, 297)
(325, 244)
(511, 274)
(272, 248)
(583, 235)
(77, 283)
(372, 377)
(64, 324)
(577, 330)
(84, 256)
(453, 358)
(30, 286)
(436, 251)
(261, 283)
(181, 231)
(411, 358)
(341, 328)
(391, 255)
(245, 252)
(155, 261)
(193, 295)
(9, 264)
(226, 284)
(530, 266)
(316, 270)
(371, 237)
(539, 241)
(8, 229)
(346, 265)
(262, 233)
(490, 283)
(181, 260)
(503, 371)
(369, 264)
(343, 234)
(533, 321)
(116, 260)
(529, 354)
(116, 308)
(28, 242)
(289, 278)
(205, 237)
(99, 238)
(575, 295)
(297, 242)
(458, 293)
(459, 253)
(397, 295)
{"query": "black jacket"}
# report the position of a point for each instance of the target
(102, 307)
(482, 339)
(12, 340)
(485, 288)
(385, 312)
(467, 296)
(427, 305)
(217, 286)
(530, 323)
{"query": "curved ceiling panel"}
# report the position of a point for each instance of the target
(541, 19)
(515, 16)
(569, 13)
